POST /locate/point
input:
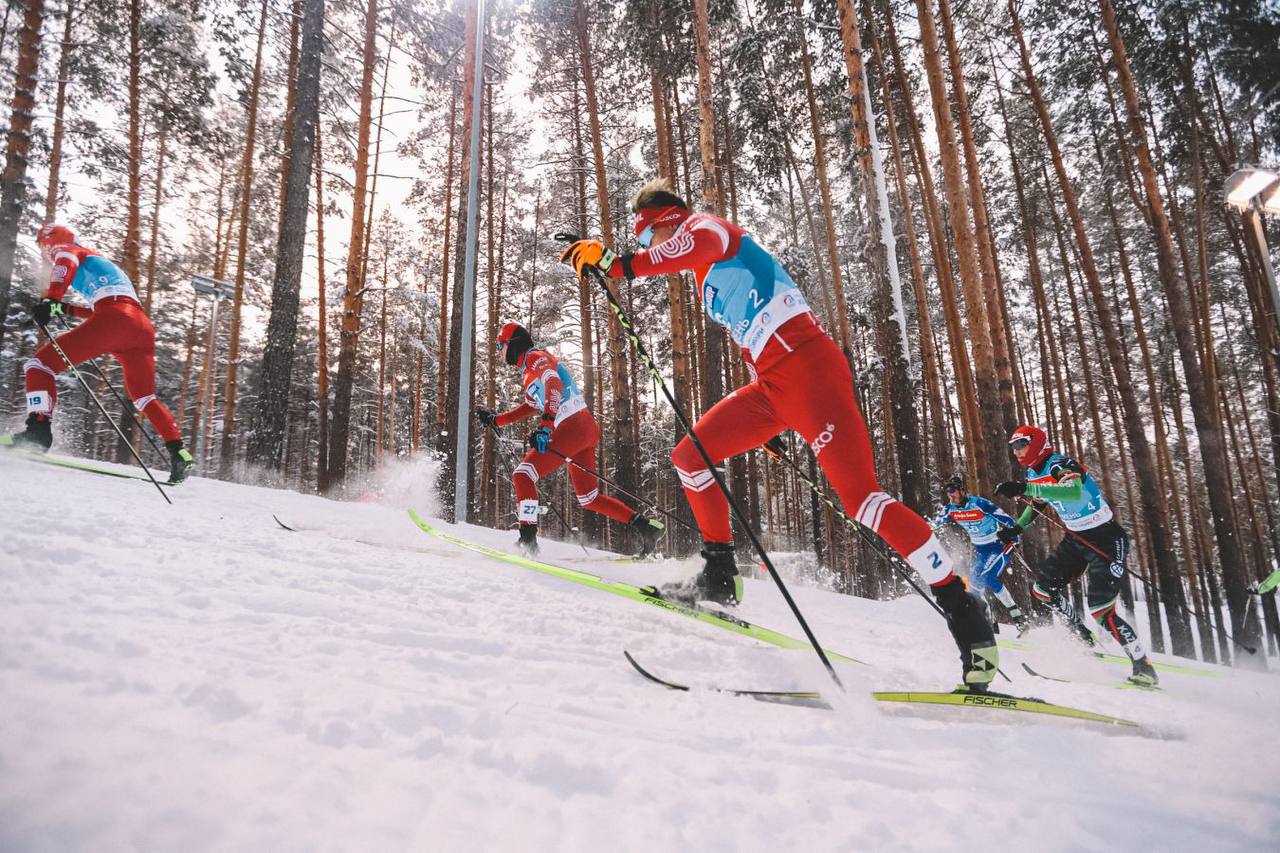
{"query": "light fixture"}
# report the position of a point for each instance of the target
(1250, 182)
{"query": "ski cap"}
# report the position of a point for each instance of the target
(1034, 440)
(53, 234)
(514, 341)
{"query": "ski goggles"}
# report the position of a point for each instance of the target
(645, 237)
(951, 490)
(1019, 442)
(501, 345)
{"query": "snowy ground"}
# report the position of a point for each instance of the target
(194, 678)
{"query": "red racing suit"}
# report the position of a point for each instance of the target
(551, 393)
(116, 324)
(801, 381)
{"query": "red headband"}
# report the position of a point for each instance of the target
(656, 216)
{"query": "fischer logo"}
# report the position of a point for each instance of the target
(990, 701)
(824, 438)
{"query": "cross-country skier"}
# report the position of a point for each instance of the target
(1094, 542)
(981, 520)
(567, 432)
(113, 323)
(801, 381)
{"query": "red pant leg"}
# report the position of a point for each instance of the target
(95, 336)
(741, 421)
(586, 485)
(813, 388)
(138, 359)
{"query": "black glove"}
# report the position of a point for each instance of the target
(487, 419)
(1011, 489)
(47, 309)
(1009, 535)
(774, 447)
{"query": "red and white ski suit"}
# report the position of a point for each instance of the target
(801, 382)
(549, 391)
(116, 324)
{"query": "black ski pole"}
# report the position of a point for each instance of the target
(653, 506)
(1150, 586)
(888, 556)
(127, 409)
(625, 322)
(85, 385)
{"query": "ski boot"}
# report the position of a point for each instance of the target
(1144, 674)
(528, 541)
(180, 461)
(649, 529)
(36, 438)
(1020, 621)
(981, 667)
(718, 581)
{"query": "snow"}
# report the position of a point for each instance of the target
(195, 678)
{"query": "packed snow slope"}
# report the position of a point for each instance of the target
(195, 678)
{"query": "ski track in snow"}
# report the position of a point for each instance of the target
(195, 678)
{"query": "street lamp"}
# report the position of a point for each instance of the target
(219, 290)
(1254, 191)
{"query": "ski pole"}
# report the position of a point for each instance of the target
(1058, 523)
(888, 557)
(653, 506)
(625, 322)
(127, 409)
(85, 385)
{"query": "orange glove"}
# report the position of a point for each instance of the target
(583, 254)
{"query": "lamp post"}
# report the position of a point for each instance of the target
(1254, 191)
(219, 290)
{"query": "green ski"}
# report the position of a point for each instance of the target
(65, 462)
(644, 595)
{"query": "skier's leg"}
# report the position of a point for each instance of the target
(524, 480)
(814, 388)
(1055, 574)
(577, 438)
(139, 367)
(739, 422)
(1105, 579)
(89, 339)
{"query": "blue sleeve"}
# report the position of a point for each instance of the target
(1002, 517)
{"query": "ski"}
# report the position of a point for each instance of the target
(804, 698)
(956, 698)
(1123, 685)
(67, 462)
(1121, 659)
(644, 595)
(283, 525)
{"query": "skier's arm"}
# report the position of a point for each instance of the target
(1069, 487)
(519, 413)
(698, 246)
(65, 265)
(1268, 584)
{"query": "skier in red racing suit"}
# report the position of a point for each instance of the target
(567, 433)
(801, 382)
(115, 323)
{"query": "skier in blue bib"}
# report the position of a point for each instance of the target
(982, 520)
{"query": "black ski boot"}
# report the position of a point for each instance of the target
(180, 461)
(1144, 674)
(37, 437)
(971, 629)
(1020, 621)
(718, 581)
(528, 541)
(649, 529)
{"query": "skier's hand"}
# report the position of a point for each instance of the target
(1011, 489)
(487, 419)
(540, 438)
(1009, 535)
(583, 254)
(47, 309)
(774, 447)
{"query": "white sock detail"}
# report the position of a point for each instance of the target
(589, 497)
(931, 560)
(528, 470)
(142, 402)
(37, 364)
(39, 402)
(528, 511)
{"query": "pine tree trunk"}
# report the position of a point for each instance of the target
(13, 182)
(266, 439)
(129, 258)
(60, 104)
(322, 336)
(242, 248)
(1212, 447)
(621, 410)
(446, 227)
(353, 295)
(713, 333)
